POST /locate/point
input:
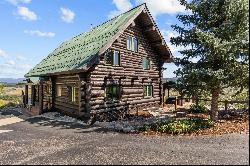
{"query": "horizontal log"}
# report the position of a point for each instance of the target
(67, 109)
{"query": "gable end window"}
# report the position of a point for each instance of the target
(132, 43)
(146, 63)
(112, 57)
(148, 91)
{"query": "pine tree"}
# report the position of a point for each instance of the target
(216, 33)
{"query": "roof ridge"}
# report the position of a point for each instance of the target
(100, 25)
(119, 15)
(110, 19)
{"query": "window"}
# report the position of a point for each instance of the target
(113, 92)
(135, 45)
(146, 63)
(112, 58)
(132, 43)
(116, 58)
(59, 90)
(148, 91)
(72, 93)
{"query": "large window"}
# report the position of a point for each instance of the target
(148, 91)
(112, 92)
(132, 43)
(72, 93)
(112, 58)
(146, 63)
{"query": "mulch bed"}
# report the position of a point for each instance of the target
(236, 124)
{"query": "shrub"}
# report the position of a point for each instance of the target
(178, 126)
(197, 109)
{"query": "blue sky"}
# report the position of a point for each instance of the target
(31, 29)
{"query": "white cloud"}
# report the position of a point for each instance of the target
(10, 63)
(19, 57)
(25, 67)
(16, 2)
(167, 35)
(26, 14)
(158, 7)
(67, 15)
(14, 70)
(175, 49)
(39, 33)
(3, 53)
(122, 6)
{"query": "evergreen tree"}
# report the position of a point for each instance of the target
(216, 33)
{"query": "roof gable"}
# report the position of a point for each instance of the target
(81, 51)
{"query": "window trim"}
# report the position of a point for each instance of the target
(149, 63)
(113, 58)
(131, 43)
(147, 91)
(72, 93)
(118, 92)
(119, 58)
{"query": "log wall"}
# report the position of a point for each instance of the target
(63, 103)
(131, 67)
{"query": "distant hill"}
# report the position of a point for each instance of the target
(11, 80)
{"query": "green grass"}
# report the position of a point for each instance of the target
(9, 101)
(10, 96)
(175, 127)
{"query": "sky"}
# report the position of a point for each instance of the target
(31, 29)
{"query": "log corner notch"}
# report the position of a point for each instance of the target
(132, 24)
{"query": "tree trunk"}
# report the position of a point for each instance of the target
(214, 104)
(196, 100)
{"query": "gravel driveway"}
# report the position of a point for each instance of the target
(43, 141)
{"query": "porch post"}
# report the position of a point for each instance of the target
(40, 97)
(33, 95)
(53, 86)
(26, 94)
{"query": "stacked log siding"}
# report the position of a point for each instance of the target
(131, 66)
(63, 103)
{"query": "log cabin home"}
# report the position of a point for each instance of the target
(117, 65)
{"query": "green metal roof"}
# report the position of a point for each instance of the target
(78, 52)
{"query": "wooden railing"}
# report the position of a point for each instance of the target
(226, 102)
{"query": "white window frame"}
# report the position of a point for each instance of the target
(149, 63)
(147, 91)
(113, 58)
(131, 43)
(73, 93)
(118, 58)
